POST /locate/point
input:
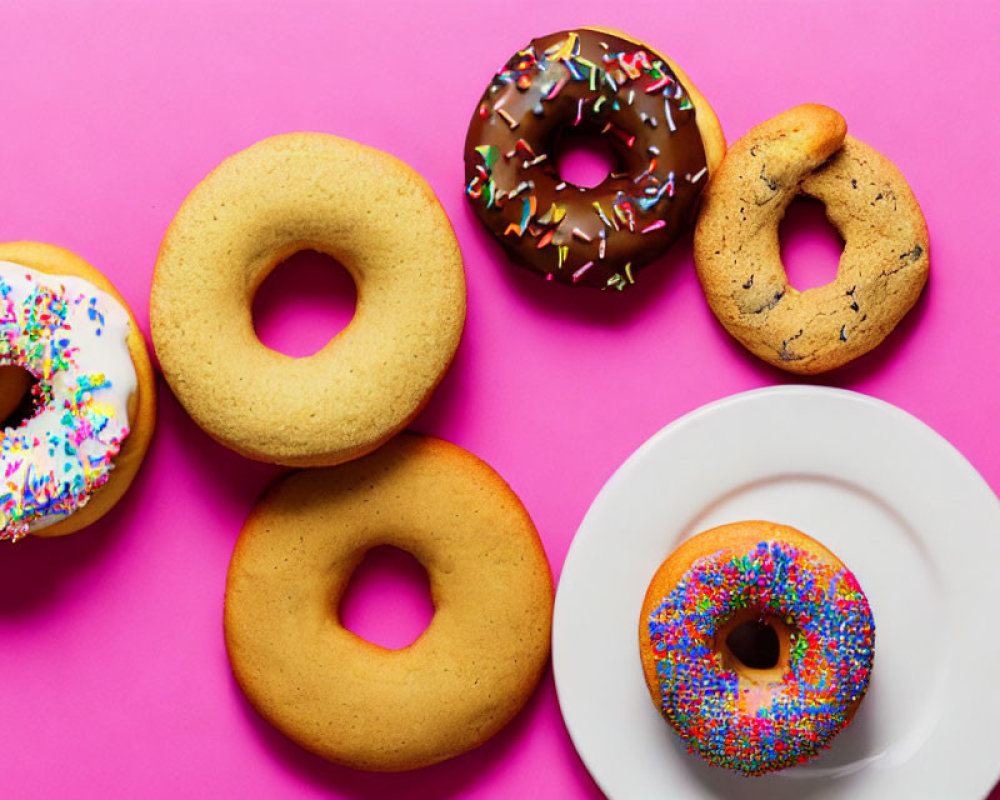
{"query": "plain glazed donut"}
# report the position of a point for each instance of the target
(351, 701)
(364, 208)
(601, 83)
(765, 717)
(94, 398)
(883, 267)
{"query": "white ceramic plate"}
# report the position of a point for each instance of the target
(901, 507)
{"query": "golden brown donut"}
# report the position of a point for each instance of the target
(882, 270)
(756, 644)
(351, 701)
(364, 208)
(141, 404)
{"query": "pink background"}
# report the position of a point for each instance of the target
(113, 676)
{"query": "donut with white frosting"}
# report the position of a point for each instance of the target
(92, 397)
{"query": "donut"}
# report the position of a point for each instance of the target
(737, 254)
(370, 212)
(68, 334)
(600, 83)
(745, 707)
(353, 702)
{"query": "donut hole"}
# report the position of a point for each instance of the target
(387, 601)
(19, 395)
(810, 246)
(754, 644)
(584, 159)
(303, 303)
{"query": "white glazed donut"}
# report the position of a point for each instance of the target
(75, 339)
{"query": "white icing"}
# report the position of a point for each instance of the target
(44, 458)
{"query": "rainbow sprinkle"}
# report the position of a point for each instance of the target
(53, 461)
(729, 721)
(605, 86)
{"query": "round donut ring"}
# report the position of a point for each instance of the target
(756, 719)
(366, 209)
(882, 270)
(351, 701)
(141, 404)
(604, 83)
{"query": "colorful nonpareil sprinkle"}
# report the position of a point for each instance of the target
(745, 726)
(71, 337)
(601, 85)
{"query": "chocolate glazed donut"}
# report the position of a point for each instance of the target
(597, 83)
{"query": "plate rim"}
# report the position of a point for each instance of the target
(578, 545)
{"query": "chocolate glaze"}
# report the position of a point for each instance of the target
(596, 84)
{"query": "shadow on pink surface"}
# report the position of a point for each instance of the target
(36, 571)
(849, 375)
(444, 780)
(576, 302)
(446, 409)
(228, 484)
(810, 250)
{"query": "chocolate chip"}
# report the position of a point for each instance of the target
(770, 303)
(772, 185)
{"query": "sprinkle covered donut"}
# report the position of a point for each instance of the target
(733, 582)
(351, 701)
(382, 222)
(882, 270)
(599, 83)
(92, 396)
